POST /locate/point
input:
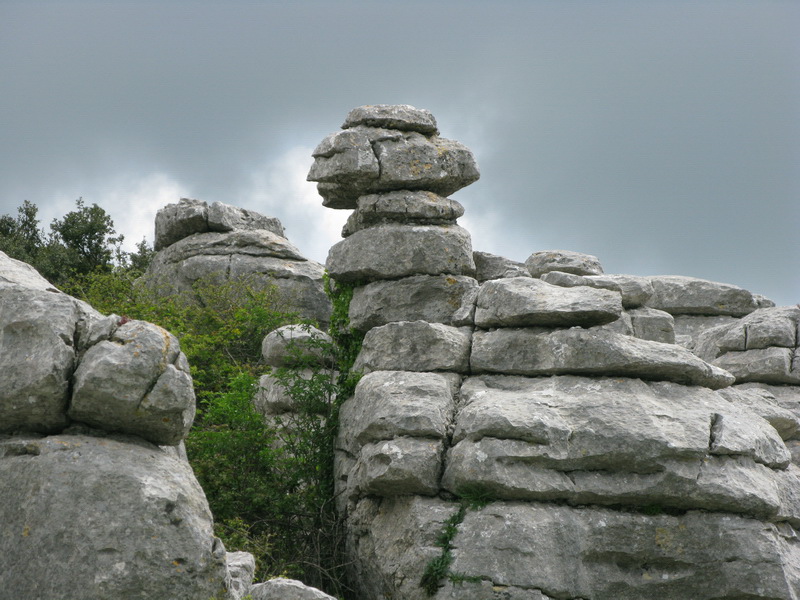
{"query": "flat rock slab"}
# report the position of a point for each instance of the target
(538, 351)
(636, 291)
(768, 365)
(395, 251)
(402, 117)
(652, 324)
(448, 299)
(491, 266)
(679, 295)
(367, 160)
(565, 261)
(98, 518)
(761, 329)
(609, 555)
(403, 206)
(398, 467)
(415, 346)
(524, 301)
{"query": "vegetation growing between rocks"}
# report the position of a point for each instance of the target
(269, 485)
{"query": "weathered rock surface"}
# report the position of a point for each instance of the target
(652, 324)
(402, 117)
(241, 568)
(296, 345)
(679, 295)
(539, 351)
(491, 266)
(364, 161)
(624, 556)
(394, 251)
(404, 206)
(198, 242)
(189, 216)
(281, 588)
(97, 518)
(448, 299)
(636, 291)
(565, 261)
(415, 346)
(524, 301)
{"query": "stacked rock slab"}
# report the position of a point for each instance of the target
(99, 500)
(607, 462)
(200, 241)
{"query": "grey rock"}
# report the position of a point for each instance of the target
(394, 251)
(769, 365)
(104, 518)
(398, 467)
(524, 301)
(403, 206)
(16, 272)
(415, 346)
(224, 218)
(391, 541)
(786, 396)
(689, 327)
(281, 588)
(448, 299)
(366, 160)
(537, 351)
(491, 266)
(402, 117)
(389, 404)
(37, 351)
(272, 398)
(679, 295)
(241, 568)
(486, 590)
(177, 221)
(636, 291)
(297, 345)
(652, 324)
(135, 383)
(604, 554)
(565, 261)
(259, 257)
(763, 402)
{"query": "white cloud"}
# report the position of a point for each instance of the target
(280, 189)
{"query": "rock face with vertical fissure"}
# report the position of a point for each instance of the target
(609, 460)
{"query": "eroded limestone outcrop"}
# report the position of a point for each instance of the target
(198, 241)
(99, 500)
(610, 463)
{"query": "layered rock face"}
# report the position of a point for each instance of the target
(197, 241)
(99, 500)
(602, 460)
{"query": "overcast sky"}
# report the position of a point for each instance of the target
(661, 136)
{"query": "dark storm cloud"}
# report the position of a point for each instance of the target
(660, 136)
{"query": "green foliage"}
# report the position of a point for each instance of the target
(82, 242)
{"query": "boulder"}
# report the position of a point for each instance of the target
(415, 346)
(281, 588)
(398, 467)
(136, 382)
(490, 266)
(104, 517)
(241, 569)
(538, 351)
(175, 222)
(565, 261)
(272, 398)
(679, 295)
(395, 251)
(761, 329)
(402, 117)
(448, 299)
(636, 291)
(367, 160)
(297, 345)
(524, 301)
(403, 206)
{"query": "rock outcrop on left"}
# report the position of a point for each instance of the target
(200, 241)
(99, 500)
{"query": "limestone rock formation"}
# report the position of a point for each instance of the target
(540, 435)
(99, 500)
(200, 241)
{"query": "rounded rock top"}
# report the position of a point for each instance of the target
(565, 261)
(402, 117)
